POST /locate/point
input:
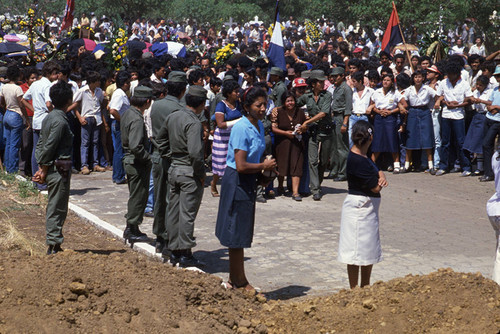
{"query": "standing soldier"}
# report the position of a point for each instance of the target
(276, 76)
(53, 155)
(176, 87)
(317, 102)
(137, 161)
(181, 135)
(341, 111)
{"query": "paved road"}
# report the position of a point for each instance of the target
(427, 222)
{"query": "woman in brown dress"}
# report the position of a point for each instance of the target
(289, 143)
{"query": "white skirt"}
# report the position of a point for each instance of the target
(359, 242)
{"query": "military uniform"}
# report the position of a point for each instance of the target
(55, 143)
(137, 162)
(159, 112)
(341, 107)
(320, 137)
(277, 92)
(181, 137)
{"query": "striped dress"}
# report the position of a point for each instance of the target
(221, 140)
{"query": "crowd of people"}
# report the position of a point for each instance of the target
(161, 121)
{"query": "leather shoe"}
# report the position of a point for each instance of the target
(149, 214)
(340, 179)
(297, 198)
(317, 197)
(486, 178)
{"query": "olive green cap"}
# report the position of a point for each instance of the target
(197, 91)
(143, 92)
(177, 76)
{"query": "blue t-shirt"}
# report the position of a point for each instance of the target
(495, 100)
(245, 137)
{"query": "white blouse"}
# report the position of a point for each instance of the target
(421, 98)
(387, 101)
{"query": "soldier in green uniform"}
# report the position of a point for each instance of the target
(181, 135)
(53, 155)
(319, 125)
(176, 87)
(137, 161)
(276, 76)
(341, 111)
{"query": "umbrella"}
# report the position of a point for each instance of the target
(9, 47)
(409, 47)
(89, 44)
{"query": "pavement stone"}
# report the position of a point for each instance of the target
(426, 223)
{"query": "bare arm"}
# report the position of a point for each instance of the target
(244, 167)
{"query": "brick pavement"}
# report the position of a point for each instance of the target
(427, 223)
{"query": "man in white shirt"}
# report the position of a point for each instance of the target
(38, 93)
(454, 93)
(90, 99)
(458, 48)
(117, 106)
(54, 23)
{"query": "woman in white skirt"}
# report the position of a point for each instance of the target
(359, 244)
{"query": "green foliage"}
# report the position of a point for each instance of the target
(425, 15)
(26, 189)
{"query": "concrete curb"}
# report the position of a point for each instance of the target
(117, 233)
(107, 227)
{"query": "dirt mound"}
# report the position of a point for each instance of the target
(99, 285)
(441, 302)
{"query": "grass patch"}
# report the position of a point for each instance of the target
(26, 189)
(11, 238)
(7, 178)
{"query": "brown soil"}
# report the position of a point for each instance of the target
(99, 285)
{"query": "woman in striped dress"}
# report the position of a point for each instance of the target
(227, 113)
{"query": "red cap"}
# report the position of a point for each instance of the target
(299, 82)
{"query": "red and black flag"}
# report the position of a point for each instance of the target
(67, 22)
(392, 35)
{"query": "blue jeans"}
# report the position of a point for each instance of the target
(90, 141)
(151, 197)
(352, 120)
(2, 141)
(457, 127)
(491, 131)
(118, 169)
(13, 128)
(437, 137)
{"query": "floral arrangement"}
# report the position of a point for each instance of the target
(224, 53)
(313, 32)
(119, 51)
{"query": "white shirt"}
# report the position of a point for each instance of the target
(458, 93)
(493, 205)
(475, 50)
(360, 104)
(473, 79)
(147, 121)
(119, 101)
(90, 103)
(493, 83)
(456, 50)
(485, 96)
(387, 101)
(39, 94)
(421, 98)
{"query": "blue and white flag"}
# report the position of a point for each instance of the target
(276, 52)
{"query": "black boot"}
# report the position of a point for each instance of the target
(54, 249)
(188, 260)
(159, 244)
(126, 233)
(136, 235)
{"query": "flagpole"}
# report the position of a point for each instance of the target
(276, 11)
(403, 36)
